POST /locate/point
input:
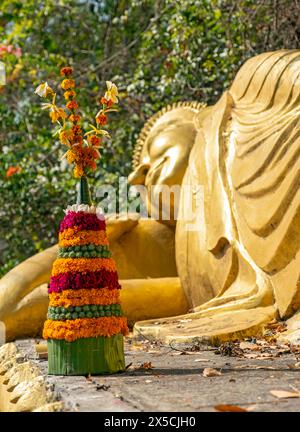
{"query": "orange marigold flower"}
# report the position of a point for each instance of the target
(12, 171)
(94, 140)
(72, 105)
(67, 70)
(106, 102)
(71, 156)
(92, 165)
(74, 118)
(69, 94)
(76, 129)
(73, 237)
(78, 265)
(78, 171)
(101, 119)
(78, 139)
(71, 330)
(66, 136)
(68, 84)
(81, 297)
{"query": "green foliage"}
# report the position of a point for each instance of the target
(156, 51)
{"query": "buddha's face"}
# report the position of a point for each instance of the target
(163, 161)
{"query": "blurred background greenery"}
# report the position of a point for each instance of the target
(156, 51)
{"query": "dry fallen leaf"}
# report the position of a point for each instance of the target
(146, 365)
(229, 408)
(210, 372)
(249, 345)
(282, 394)
(201, 360)
(148, 381)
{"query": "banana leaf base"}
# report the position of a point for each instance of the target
(96, 356)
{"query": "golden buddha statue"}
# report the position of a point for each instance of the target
(237, 252)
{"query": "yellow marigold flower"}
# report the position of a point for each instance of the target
(78, 171)
(71, 156)
(66, 136)
(69, 94)
(44, 90)
(112, 92)
(67, 84)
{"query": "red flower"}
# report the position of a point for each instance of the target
(72, 105)
(12, 171)
(101, 119)
(106, 102)
(94, 140)
(65, 71)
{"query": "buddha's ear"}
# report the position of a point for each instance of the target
(137, 177)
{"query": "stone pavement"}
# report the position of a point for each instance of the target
(160, 378)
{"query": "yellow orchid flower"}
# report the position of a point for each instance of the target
(44, 90)
(96, 131)
(55, 112)
(112, 92)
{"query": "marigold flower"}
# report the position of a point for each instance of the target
(71, 330)
(74, 118)
(72, 105)
(74, 237)
(67, 84)
(66, 136)
(94, 140)
(66, 265)
(71, 156)
(44, 90)
(101, 119)
(76, 129)
(12, 171)
(78, 171)
(81, 297)
(65, 71)
(69, 94)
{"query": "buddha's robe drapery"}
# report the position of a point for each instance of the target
(246, 162)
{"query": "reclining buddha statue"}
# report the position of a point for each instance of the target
(230, 265)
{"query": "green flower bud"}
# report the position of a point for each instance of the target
(91, 247)
(93, 254)
(74, 315)
(68, 316)
(82, 315)
(86, 308)
(94, 308)
(89, 315)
